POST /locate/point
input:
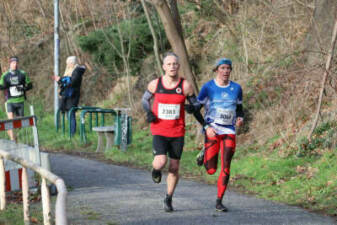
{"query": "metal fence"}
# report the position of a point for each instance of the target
(60, 206)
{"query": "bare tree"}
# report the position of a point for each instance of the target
(155, 40)
(317, 43)
(176, 16)
(325, 75)
(177, 43)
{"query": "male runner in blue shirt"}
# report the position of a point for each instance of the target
(222, 99)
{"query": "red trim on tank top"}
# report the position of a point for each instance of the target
(182, 87)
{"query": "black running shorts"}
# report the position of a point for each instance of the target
(171, 145)
(16, 108)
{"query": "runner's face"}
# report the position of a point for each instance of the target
(13, 65)
(223, 72)
(171, 66)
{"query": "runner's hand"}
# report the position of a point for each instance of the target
(239, 122)
(210, 132)
(150, 117)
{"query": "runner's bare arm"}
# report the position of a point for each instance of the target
(151, 87)
(188, 89)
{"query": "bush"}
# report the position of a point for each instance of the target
(105, 45)
(323, 137)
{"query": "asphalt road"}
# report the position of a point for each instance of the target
(106, 194)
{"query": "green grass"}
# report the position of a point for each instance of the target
(309, 181)
(14, 214)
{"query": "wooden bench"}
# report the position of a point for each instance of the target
(108, 132)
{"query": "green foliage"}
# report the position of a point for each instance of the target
(105, 45)
(323, 137)
(307, 181)
(21, 29)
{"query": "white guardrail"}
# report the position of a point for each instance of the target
(60, 206)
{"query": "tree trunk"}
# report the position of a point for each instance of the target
(326, 73)
(318, 39)
(176, 17)
(177, 43)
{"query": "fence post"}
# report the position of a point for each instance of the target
(96, 119)
(90, 121)
(60, 210)
(63, 123)
(57, 120)
(2, 184)
(45, 202)
(25, 196)
(102, 119)
(36, 136)
(118, 128)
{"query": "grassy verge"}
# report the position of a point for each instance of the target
(309, 181)
(14, 215)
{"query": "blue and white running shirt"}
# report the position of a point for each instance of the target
(220, 105)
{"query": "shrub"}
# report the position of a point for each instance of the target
(105, 44)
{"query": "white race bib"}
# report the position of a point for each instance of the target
(224, 117)
(168, 111)
(14, 91)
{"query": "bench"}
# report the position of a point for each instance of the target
(108, 133)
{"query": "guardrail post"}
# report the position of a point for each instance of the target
(118, 128)
(45, 202)
(60, 206)
(96, 119)
(36, 136)
(129, 129)
(102, 119)
(57, 120)
(82, 128)
(90, 121)
(25, 196)
(2, 184)
(63, 123)
(60, 209)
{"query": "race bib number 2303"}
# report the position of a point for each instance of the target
(168, 111)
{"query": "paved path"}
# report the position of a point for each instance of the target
(106, 194)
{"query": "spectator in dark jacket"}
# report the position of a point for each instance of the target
(70, 85)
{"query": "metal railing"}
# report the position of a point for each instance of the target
(83, 136)
(60, 121)
(60, 205)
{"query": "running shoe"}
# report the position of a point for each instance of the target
(220, 207)
(168, 204)
(200, 157)
(156, 176)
